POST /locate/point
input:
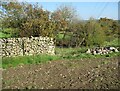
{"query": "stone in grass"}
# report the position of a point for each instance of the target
(94, 52)
(116, 50)
(112, 49)
(88, 51)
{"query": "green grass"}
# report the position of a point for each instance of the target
(23, 60)
(2, 35)
(70, 51)
(61, 54)
(78, 53)
(61, 35)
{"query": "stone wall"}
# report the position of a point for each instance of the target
(26, 46)
(102, 50)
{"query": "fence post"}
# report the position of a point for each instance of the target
(23, 47)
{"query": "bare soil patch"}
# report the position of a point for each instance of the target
(99, 73)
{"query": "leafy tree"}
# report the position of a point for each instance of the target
(78, 36)
(110, 27)
(12, 17)
(94, 33)
(26, 20)
(62, 18)
(36, 24)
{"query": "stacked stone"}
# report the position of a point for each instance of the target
(51, 47)
(102, 50)
(11, 47)
(38, 45)
(27, 46)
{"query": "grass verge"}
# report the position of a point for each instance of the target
(61, 54)
(23, 60)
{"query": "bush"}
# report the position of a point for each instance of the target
(114, 42)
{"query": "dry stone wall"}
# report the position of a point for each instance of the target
(26, 46)
(102, 50)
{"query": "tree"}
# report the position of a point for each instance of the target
(26, 20)
(62, 18)
(78, 33)
(95, 36)
(36, 23)
(11, 16)
(110, 27)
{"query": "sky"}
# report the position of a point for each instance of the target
(85, 10)
(66, 0)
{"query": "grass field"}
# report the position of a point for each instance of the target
(24, 60)
(61, 54)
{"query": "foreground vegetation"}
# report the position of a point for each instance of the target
(61, 54)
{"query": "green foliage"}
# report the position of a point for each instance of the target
(99, 35)
(110, 26)
(60, 36)
(2, 35)
(114, 42)
(25, 20)
(29, 20)
(9, 32)
(63, 17)
(95, 34)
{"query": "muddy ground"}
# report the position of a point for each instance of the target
(100, 73)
